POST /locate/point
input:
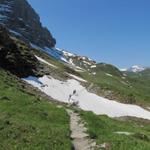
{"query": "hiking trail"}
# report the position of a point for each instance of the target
(80, 138)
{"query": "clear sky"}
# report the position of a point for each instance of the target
(111, 31)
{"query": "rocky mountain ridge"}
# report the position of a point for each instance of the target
(24, 23)
(134, 69)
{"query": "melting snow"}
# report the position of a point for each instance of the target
(14, 32)
(61, 90)
(79, 68)
(57, 54)
(123, 69)
(44, 61)
(35, 46)
(109, 75)
(34, 79)
(88, 63)
(83, 58)
(76, 77)
(94, 66)
(68, 54)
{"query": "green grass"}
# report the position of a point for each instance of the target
(135, 88)
(132, 89)
(29, 123)
(103, 128)
(141, 84)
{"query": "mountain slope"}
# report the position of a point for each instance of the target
(24, 23)
(106, 80)
(28, 121)
(114, 134)
(18, 60)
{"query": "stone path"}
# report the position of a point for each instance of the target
(81, 140)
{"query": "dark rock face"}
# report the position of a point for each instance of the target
(24, 23)
(19, 61)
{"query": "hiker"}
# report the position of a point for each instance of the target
(69, 99)
(70, 95)
(74, 92)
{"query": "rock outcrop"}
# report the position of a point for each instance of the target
(18, 60)
(24, 23)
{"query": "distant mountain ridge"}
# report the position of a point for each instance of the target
(134, 69)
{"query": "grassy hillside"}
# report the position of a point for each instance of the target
(134, 135)
(108, 80)
(28, 122)
(127, 89)
(141, 84)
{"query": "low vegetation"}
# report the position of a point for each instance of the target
(127, 89)
(108, 80)
(113, 134)
(29, 122)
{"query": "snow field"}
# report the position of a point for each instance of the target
(60, 90)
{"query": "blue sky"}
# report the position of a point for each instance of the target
(111, 31)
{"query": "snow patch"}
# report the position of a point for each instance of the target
(94, 66)
(76, 77)
(33, 80)
(14, 32)
(109, 75)
(79, 69)
(44, 61)
(123, 69)
(68, 54)
(88, 63)
(84, 58)
(55, 53)
(136, 68)
(60, 90)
